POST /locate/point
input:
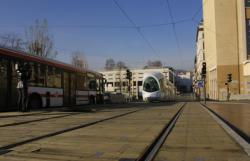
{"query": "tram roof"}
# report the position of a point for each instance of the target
(157, 75)
(34, 58)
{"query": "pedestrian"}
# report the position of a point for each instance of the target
(24, 74)
(19, 69)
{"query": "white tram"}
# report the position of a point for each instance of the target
(157, 88)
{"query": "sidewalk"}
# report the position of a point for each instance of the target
(236, 114)
(198, 137)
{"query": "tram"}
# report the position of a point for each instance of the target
(157, 88)
(52, 83)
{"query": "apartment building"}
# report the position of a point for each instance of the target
(199, 59)
(227, 47)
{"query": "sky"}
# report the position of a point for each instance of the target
(101, 30)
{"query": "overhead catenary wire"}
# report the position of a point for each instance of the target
(174, 31)
(133, 26)
(136, 27)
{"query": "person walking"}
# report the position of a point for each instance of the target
(19, 87)
(24, 74)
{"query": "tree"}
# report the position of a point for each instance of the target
(12, 41)
(121, 65)
(39, 41)
(110, 64)
(154, 64)
(79, 61)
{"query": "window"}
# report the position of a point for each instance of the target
(124, 83)
(139, 83)
(54, 77)
(38, 74)
(80, 82)
(91, 81)
(93, 85)
(109, 84)
(117, 84)
(150, 85)
(248, 35)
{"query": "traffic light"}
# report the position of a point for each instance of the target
(229, 78)
(129, 75)
(204, 69)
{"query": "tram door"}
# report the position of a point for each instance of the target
(13, 93)
(3, 84)
(72, 89)
(66, 89)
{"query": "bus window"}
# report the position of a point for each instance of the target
(80, 82)
(90, 81)
(92, 85)
(54, 77)
(38, 74)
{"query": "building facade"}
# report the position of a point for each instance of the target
(199, 60)
(117, 82)
(184, 81)
(227, 48)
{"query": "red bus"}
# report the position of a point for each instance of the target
(52, 83)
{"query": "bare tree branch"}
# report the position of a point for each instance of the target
(11, 40)
(110, 64)
(79, 61)
(154, 64)
(39, 41)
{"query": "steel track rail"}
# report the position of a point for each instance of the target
(37, 120)
(7, 148)
(151, 151)
(21, 115)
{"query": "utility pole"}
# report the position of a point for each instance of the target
(203, 74)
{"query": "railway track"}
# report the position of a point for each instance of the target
(27, 121)
(7, 148)
(21, 115)
(40, 119)
(152, 150)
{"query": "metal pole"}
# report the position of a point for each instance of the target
(129, 89)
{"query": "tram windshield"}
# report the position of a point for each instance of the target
(150, 85)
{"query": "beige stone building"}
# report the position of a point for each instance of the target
(227, 47)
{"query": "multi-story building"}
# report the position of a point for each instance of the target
(117, 82)
(184, 81)
(199, 60)
(227, 47)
